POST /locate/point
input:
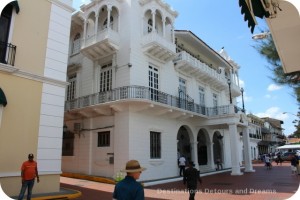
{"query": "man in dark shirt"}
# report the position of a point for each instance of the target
(129, 188)
(190, 178)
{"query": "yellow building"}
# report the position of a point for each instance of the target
(34, 45)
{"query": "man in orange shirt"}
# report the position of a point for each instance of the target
(28, 173)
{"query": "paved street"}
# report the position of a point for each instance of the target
(275, 184)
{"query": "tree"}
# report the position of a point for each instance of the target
(267, 49)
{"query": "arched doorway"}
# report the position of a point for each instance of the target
(184, 143)
(218, 146)
(202, 147)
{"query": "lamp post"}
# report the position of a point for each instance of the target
(229, 84)
(242, 91)
(291, 114)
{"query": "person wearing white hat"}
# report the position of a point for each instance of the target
(129, 188)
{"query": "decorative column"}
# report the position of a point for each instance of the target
(84, 31)
(247, 151)
(108, 16)
(194, 146)
(96, 25)
(173, 33)
(210, 156)
(164, 27)
(153, 20)
(236, 168)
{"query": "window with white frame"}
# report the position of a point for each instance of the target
(201, 96)
(153, 83)
(155, 145)
(150, 25)
(182, 93)
(104, 139)
(71, 91)
(215, 104)
(110, 23)
(105, 78)
(76, 44)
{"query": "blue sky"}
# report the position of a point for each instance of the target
(220, 24)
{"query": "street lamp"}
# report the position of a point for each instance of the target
(229, 83)
(261, 36)
(242, 91)
(291, 114)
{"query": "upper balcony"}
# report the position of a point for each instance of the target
(158, 47)
(191, 65)
(104, 43)
(103, 103)
(7, 53)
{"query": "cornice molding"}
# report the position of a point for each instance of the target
(28, 75)
(65, 6)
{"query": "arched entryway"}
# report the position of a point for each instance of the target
(203, 147)
(218, 146)
(184, 142)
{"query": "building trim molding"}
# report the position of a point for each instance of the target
(28, 75)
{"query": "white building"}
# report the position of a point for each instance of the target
(141, 90)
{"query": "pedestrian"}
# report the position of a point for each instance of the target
(219, 164)
(190, 178)
(294, 164)
(279, 159)
(181, 165)
(29, 172)
(268, 161)
(129, 188)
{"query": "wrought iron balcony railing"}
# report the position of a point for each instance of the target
(140, 92)
(7, 53)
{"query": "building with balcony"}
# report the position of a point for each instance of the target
(34, 42)
(255, 133)
(272, 135)
(139, 89)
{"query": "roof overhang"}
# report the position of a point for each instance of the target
(285, 30)
(283, 19)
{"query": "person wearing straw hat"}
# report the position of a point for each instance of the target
(129, 188)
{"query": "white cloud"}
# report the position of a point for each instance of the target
(273, 112)
(241, 83)
(273, 87)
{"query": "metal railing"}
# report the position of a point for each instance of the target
(7, 53)
(145, 93)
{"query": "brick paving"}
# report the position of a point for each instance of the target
(275, 184)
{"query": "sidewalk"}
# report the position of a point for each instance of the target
(275, 184)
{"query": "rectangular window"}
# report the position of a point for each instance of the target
(71, 91)
(155, 145)
(104, 139)
(153, 83)
(202, 100)
(182, 93)
(215, 104)
(106, 78)
(68, 144)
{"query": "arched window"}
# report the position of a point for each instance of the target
(76, 44)
(150, 25)
(111, 23)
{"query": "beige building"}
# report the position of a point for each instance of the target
(33, 61)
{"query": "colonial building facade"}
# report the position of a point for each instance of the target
(33, 63)
(139, 89)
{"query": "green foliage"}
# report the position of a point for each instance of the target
(267, 49)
